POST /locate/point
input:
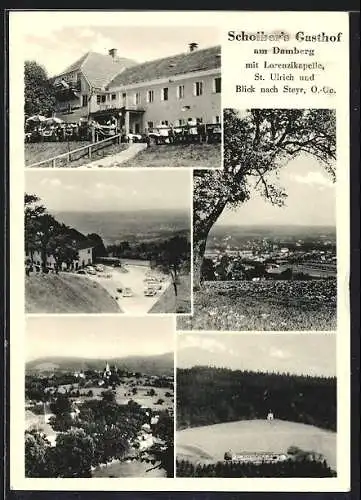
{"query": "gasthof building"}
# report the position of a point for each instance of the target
(168, 91)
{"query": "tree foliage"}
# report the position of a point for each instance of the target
(39, 92)
(208, 396)
(257, 144)
(289, 468)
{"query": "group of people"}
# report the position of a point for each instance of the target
(78, 131)
(193, 131)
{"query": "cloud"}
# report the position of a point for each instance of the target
(207, 343)
(278, 353)
(315, 178)
(50, 182)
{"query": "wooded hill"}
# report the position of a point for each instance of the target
(208, 396)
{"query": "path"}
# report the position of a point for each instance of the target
(118, 159)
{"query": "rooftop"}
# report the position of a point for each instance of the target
(188, 62)
(99, 69)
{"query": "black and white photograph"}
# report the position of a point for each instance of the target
(114, 243)
(264, 229)
(99, 397)
(130, 96)
(256, 405)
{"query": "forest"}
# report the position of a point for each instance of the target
(207, 395)
(289, 468)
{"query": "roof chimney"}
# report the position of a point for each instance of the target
(113, 53)
(193, 46)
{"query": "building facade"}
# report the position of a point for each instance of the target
(84, 258)
(169, 91)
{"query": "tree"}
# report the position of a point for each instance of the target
(257, 144)
(163, 450)
(61, 406)
(207, 270)
(73, 454)
(36, 455)
(32, 210)
(39, 92)
(99, 249)
(173, 253)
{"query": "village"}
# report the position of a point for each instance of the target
(55, 402)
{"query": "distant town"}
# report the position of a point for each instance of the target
(271, 256)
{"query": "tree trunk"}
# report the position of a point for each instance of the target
(201, 228)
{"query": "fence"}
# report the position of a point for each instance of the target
(68, 154)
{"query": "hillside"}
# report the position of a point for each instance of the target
(64, 293)
(161, 364)
(169, 303)
(138, 225)
(210, 442)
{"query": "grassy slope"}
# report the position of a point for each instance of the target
(167, 302)
(178, 155)
(65, 293)
(244, 306)
(40, 151)
(254, 436)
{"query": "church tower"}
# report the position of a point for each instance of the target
(107, 372)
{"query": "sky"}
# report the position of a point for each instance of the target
(98, 337)
(300, 353)
(56, 44)
(112, 190)
(311, 199)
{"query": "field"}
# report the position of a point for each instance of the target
(64, 293)
(129, 468)
(269, 305)
(178, 155)
(209, 443)
(181, 304)
(39, 151)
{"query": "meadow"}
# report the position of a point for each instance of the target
(40, 151)
(267, 305)
(178, 155)
(207, 444)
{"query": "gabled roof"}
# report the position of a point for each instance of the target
(198, 60)
(99, 69)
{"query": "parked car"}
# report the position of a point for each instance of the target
(150, 291)
(91, 270)
(81, 271)
(99, 268)
(127, 292)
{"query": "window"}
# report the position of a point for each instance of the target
(217, 85)
(103, 98)
(199, 120)
(216, 119)
(114, 96)
(88, 250)
(124, 99)
(150, 96)
(165, 122)
(164, 94)
(180, 91)
(98, 99)
(198, 88)
(150, 125)
(84, 100)
(137, 98)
